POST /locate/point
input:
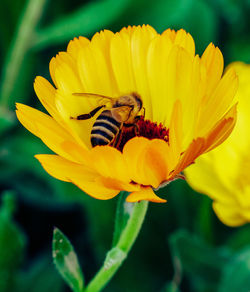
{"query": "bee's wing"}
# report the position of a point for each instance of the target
(121, 113)
(92, 95)
(102, 99)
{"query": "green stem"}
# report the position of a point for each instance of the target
(18, 48)
(119, 252)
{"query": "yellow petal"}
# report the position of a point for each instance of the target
(95, 189)
(147, 160)
(203, 177)
(113, 183)
(46, 94)
(47, 129)
(181, 38)
(145, 194)
(65, 74)
(213, 60)
(201, 145)
(176, 130)
(64, 169)
(110, 163)
(222, 130)
(153, 162)
(170, 33)
(215, 107)
(52, 69)
(195, 149)
(178, 79)
(132, 154)
(191, 105)
(157, 72)
(222, 173)
(76, 45)
(78, 174)
(228, 214)
(140, 42)
(185, 40)
(72, 106)
(120, 53)
(170, 75)
(94, 66)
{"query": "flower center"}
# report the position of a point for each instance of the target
(143, 128)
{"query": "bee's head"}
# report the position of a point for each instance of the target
(137, 99)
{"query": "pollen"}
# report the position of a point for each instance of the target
(143, 128)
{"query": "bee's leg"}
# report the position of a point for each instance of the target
(89, 115)
(144, 112)
(137, 132)
(128, 125)
(117, 139)
(134, 125)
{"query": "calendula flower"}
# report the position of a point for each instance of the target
(223, 173)
(187, 109)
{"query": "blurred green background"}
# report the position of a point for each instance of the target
(182, 245)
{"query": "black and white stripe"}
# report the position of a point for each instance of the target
(105, 129)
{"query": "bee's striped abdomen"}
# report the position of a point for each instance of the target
(105, 129)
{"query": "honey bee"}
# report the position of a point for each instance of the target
(123, 112)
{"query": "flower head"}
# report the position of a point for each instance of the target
(188, 108)
(223, 174)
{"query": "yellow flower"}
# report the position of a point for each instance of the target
(189, 110)
(223, 174)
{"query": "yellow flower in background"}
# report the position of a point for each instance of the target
(223, 174)
(187, 108)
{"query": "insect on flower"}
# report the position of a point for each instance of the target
(151, 102)
(123, 112)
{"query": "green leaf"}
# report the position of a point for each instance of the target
(86, 20)
(202, 263)
(66, 261)
(12, 243)
(236, 275)
(123, 212)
